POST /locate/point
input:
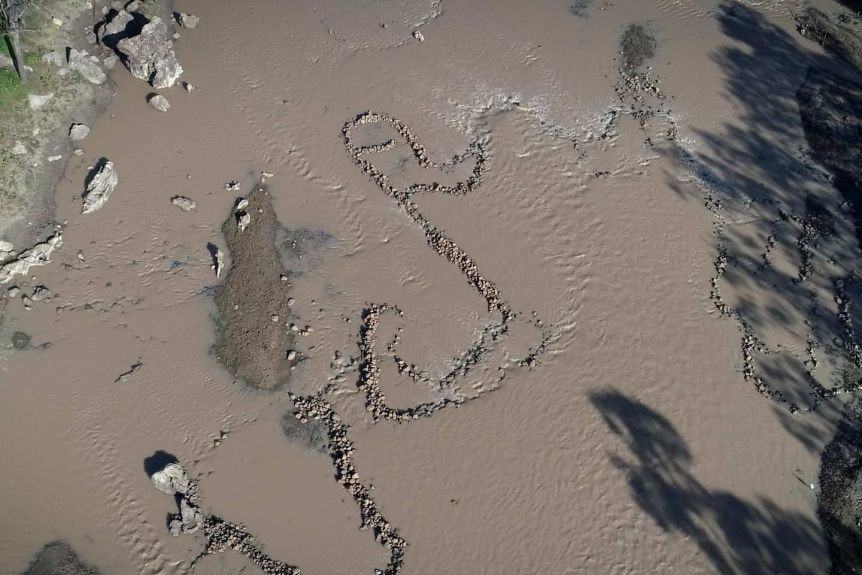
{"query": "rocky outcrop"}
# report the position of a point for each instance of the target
(80, 62)
(38, 255)
(101, 184)
(150, 55)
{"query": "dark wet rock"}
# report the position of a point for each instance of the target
(150, 55)
(58, 558)
(101, 183)
(20, 340)
(830, 107)
(637, 46)
(839, 504)
(311, 434)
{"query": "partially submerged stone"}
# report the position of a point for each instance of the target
(100, 187)
(189, 21)
(171, 479)
(38, 255)
(183, 203)
(150, 55)
(158, 102)
(41, 293)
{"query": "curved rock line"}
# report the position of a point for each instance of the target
(369, 378)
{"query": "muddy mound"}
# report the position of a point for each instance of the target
(58, 558)
(839, 504)
(254, 335)
(831, 110)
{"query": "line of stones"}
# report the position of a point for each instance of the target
(341, 451)
(369, 379)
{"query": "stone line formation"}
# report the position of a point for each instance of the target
(369, 378)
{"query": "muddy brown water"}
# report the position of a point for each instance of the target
(633, 445)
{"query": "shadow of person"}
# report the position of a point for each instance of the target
(735, 536)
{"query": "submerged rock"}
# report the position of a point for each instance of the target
(183, 203)
(81, 63)
(101, 185)
(20, 340)
(158, 102)
(58, 558)
(150, 55)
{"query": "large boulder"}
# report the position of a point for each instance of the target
(101, 184)
(150, 55)
(171, 479)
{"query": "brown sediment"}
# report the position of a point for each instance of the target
(253, 310)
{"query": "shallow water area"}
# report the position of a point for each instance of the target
(591, 415)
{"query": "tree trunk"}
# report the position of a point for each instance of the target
(18, 55)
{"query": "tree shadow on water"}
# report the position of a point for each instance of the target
(736, 536)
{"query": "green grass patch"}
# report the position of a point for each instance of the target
(32, 58)
(12, 92)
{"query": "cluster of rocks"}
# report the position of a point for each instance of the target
(144, 46)
(220, 534)
(848, 334)
(38, 255)
(714, 292)
(242, 217)
(100, 185)
(341, 449)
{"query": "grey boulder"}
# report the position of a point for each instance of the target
(150, 55)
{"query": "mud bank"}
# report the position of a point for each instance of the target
(255, 339)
